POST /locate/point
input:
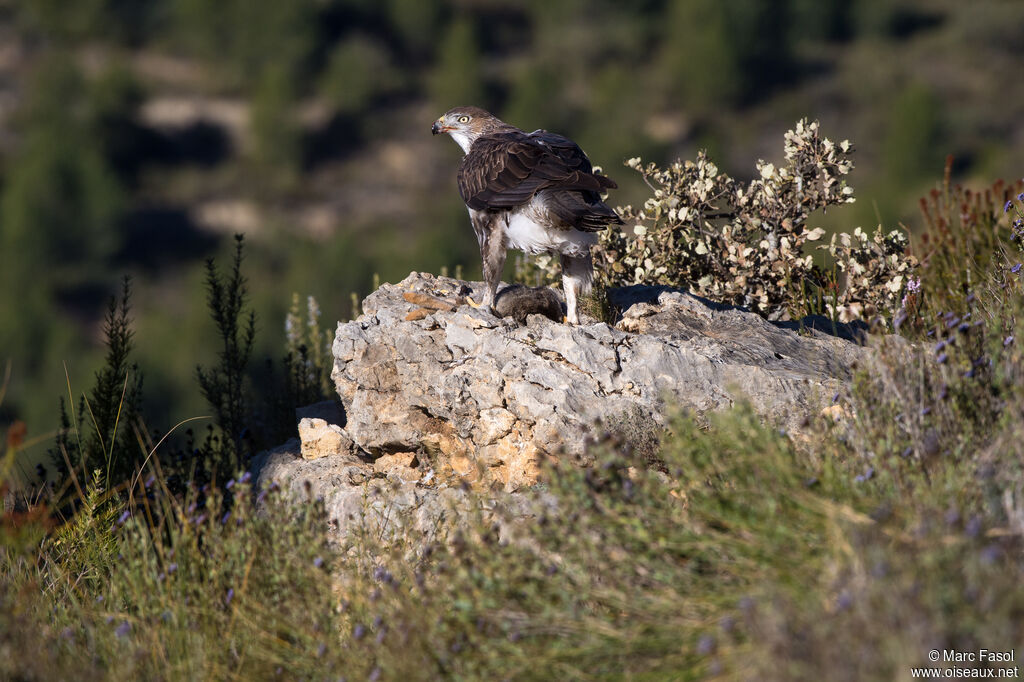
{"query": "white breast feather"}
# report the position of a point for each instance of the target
(525, 233)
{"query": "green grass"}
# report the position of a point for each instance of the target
(751, 556)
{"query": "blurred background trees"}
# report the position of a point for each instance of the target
(136, 136)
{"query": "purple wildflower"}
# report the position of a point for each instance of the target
(150, 481)
(172, 568)
(359, 631)
(1007, 207)
(245, 477)
(942, 358)
(1007, 341)
(1015, 269)
(866, 476)
(230, 484)
(991, 554)
(705, 645)
(224, 519)
(940, 345)
(318, 562)
(229, 596)
(199, 519)
(124, 517)
(1020, 197)
(913, 285)
(321, 650)
(925, 411)
(124, 629)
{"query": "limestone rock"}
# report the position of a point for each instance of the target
(319, 432)
(356, 493)
(484, 399)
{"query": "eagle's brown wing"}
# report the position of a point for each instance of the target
(506, 169)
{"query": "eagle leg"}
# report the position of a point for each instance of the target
(492, 255)
(577, 279)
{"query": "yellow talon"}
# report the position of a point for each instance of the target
(471, 302)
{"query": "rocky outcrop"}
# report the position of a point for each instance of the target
(437, 397)
(480, 398)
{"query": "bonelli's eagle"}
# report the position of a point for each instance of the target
(535, 192)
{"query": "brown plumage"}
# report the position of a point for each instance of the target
(536, 192)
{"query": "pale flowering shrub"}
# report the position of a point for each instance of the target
(746, 243)
(877, 271)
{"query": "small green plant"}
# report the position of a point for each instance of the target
(968, 237)
(102, 434)
(308, 352)
(224, 386)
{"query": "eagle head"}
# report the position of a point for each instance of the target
(465, 124)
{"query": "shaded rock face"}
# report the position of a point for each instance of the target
(472, 397)
(390, 496)
(356, 493)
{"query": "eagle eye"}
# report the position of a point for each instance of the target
(463, 119)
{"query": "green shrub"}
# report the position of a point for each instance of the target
(103, 433)
(225, 386)
(745, 245)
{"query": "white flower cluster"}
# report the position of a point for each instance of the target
(877, 270)
(744, 243)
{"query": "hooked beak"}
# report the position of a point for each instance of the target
(439, 127)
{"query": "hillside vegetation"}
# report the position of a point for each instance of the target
(136, 136)
(892, 531)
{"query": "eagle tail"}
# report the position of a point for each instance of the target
(583, 210)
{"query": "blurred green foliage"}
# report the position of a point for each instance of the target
(457, 76)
